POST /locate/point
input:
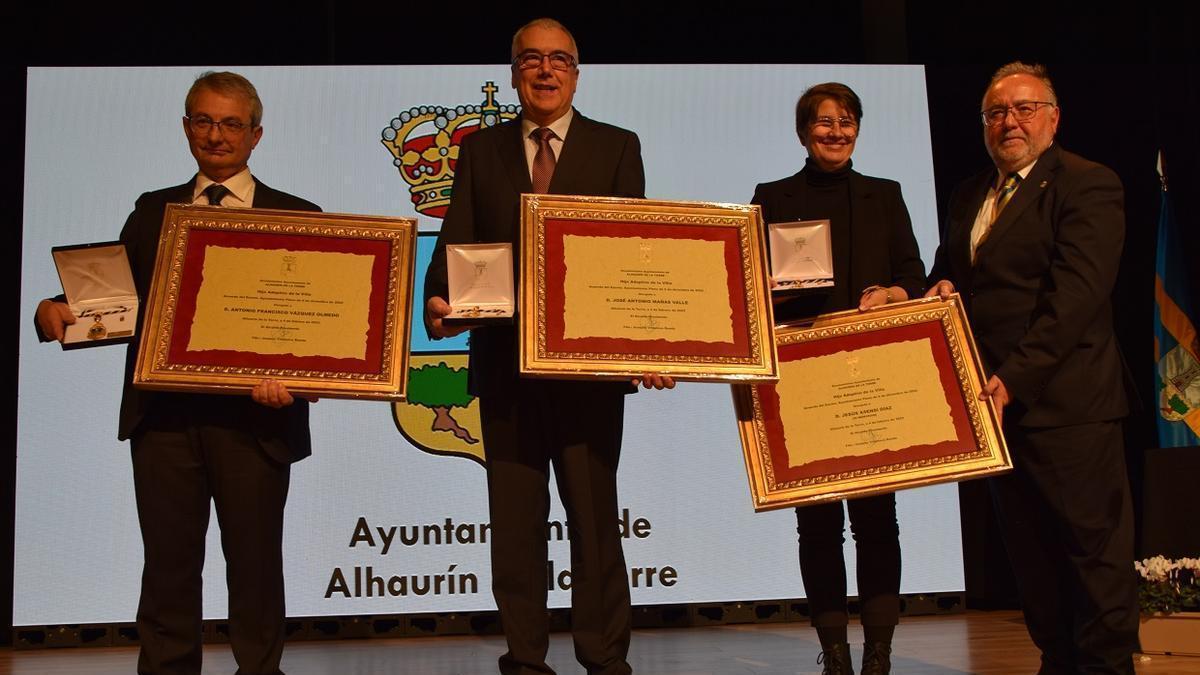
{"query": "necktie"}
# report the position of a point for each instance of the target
(543, 161)
(215, 193)
(1003, 195)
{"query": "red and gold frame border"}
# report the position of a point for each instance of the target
(978, 449)
(165, 363)
(546, 219)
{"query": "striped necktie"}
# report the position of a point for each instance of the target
(1003, 196)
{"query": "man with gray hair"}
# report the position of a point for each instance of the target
(528, 424)
(1033, 244)
(193, 450)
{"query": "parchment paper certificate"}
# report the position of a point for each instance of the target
(616, 288)
(318, 301)
(859, 402)
(307, 303)
(869, 402)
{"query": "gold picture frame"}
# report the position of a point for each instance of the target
(321, 302)
(870, 402)
(604, 279)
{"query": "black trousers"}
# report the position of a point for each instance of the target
(1067, 520)
(823, 567)
(181, 465)
(575, 426)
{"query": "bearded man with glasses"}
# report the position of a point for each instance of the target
(193, 450)
(1033, 245)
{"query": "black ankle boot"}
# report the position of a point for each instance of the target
(837, 660)
(877, 658)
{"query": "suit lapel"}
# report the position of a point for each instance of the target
(788, 206)
(1028, 192)
(512, 156)
(262, 195)
(573, 157)
(182, 194)
(862, 201)
(791, 188)
(963, 220)
(865, 220)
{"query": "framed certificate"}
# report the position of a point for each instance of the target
(318, 301)
(615, 288)
(869, 402)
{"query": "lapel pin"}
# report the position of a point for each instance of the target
(1043, 184)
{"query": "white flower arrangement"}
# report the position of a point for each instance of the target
(1168, 586)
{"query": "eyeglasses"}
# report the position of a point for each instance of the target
(1023, 111)
(203, 124)
(531, 59)
(846, 124)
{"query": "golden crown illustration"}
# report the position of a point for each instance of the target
(424, 143)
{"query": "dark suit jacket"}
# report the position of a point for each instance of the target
(881, 245)
(283, 434)
(1038, 295)
(597, 159)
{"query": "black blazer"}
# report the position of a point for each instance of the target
(283, 434)
(881, 246)
(597, 159)
(1038, 295)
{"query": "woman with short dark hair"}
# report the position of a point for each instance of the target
(876, 261)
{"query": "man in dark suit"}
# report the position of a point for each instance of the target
(529, 424)
(1033, 246)
(192, 449)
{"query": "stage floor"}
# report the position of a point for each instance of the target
(984, 643)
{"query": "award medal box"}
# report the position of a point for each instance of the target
(99, 288)
(801, 255)
(480, 277)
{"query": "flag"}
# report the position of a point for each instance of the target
(1175, 345)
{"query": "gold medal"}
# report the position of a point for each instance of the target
(97, 331)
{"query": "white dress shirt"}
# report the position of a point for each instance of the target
(558, 126)
(240, 185)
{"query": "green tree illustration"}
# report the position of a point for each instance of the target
(438, 386)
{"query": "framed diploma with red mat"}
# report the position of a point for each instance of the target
(318, 301)
(615, 288)
(869, 402)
